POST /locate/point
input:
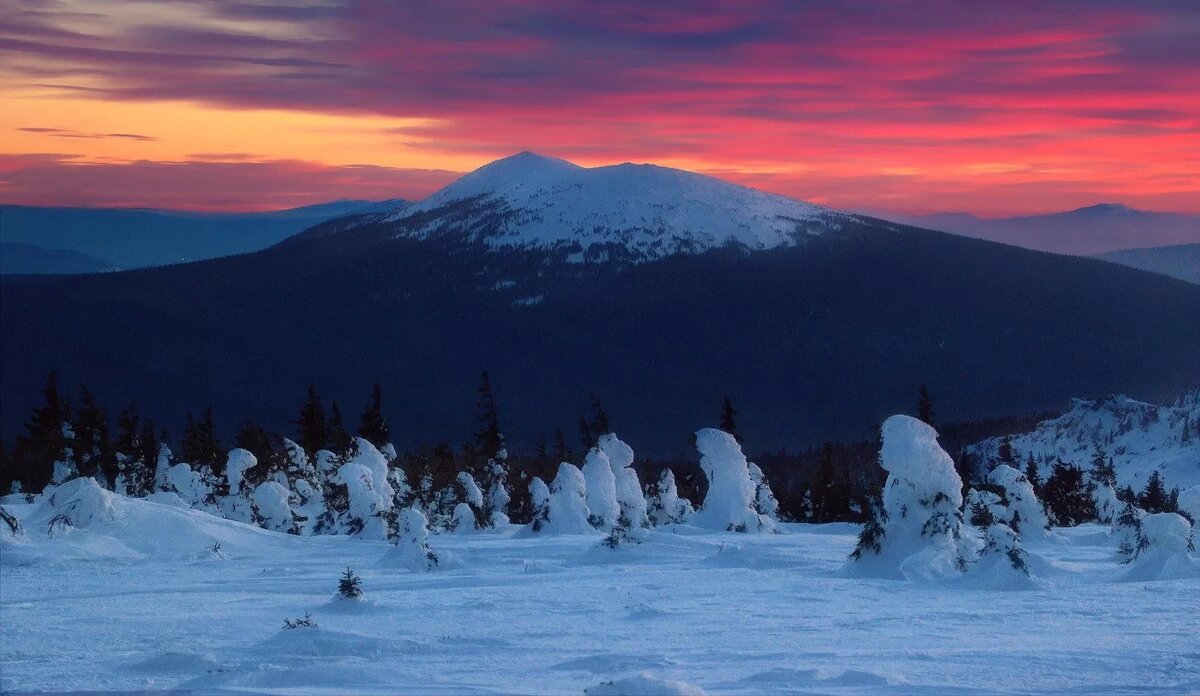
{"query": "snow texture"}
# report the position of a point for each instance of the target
(643, 684)
(729, 503)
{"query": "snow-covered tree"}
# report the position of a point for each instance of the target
(601, 490)
(497, 494)
(666, 507)
(271, 500)
(468, 495)
(539, 497)
(630, 499)
(919, 530)
(236, 504)
(411, 545)
(1189, 504)
(567, 507)
(367, 502)
(764, 500)
(1163, 550)
(1025, 514)
(1127, 531)
(729, 504)
(1002, 545)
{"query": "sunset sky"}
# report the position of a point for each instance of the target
(996, 108)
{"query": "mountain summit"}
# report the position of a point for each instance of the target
(647, 211)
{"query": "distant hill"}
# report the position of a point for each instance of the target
(21, 258)
(1181, 261)
(138, 238)
(1086, 231)
(658, 290)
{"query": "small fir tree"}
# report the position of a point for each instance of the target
(350, 585)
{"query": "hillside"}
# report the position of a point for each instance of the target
(1181, 261)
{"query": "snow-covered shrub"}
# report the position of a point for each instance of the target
(1164, 549)
(919, 530)
(190, 485)
(80, 502)
(601, 490)
(1025, 514)
(729, 504)
(1189, 504)
(411, 546)
(630, 499)
(271, 499)
(306, 621)
(567, 506)
(764, 500)
(666, 507)
(539, 498)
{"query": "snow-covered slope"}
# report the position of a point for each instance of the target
(528, 200)
(1140, 438)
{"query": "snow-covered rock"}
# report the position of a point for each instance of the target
(601, 490)
(1024, 512)
(1139, 437)
(528, 200)
(666, 507)
(919, 532)
(729, 503)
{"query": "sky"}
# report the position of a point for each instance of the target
(910, 107)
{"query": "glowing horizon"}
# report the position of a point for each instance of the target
(997, 111)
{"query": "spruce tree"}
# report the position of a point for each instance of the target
(147, 451)
(1103, 472)
(1005, 452)
(1154, 497)
(93, 449)
(44, 441)
(200, 446)
(371, 426)
(312, 430)
(562, 451)
(728, 419)
(488, 436)
(340, 442)
(1031, 473)
(925, 406)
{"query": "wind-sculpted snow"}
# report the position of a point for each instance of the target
(142, 601)
(729, 503)
(649, 211)
(1138, 436)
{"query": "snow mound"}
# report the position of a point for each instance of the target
(729, 504)
(643, 685)
(532, 201)
(79, 503)
(167, 498)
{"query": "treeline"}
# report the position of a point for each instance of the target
(830, 482)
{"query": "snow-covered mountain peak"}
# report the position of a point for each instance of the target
(529, 200)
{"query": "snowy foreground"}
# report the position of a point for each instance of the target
(143, 602)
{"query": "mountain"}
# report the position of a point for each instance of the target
(23, 258)
(1139, 437)
(817, 324)
(136, 238)
(1181, 261)
(638, 211)
(1086, 231)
